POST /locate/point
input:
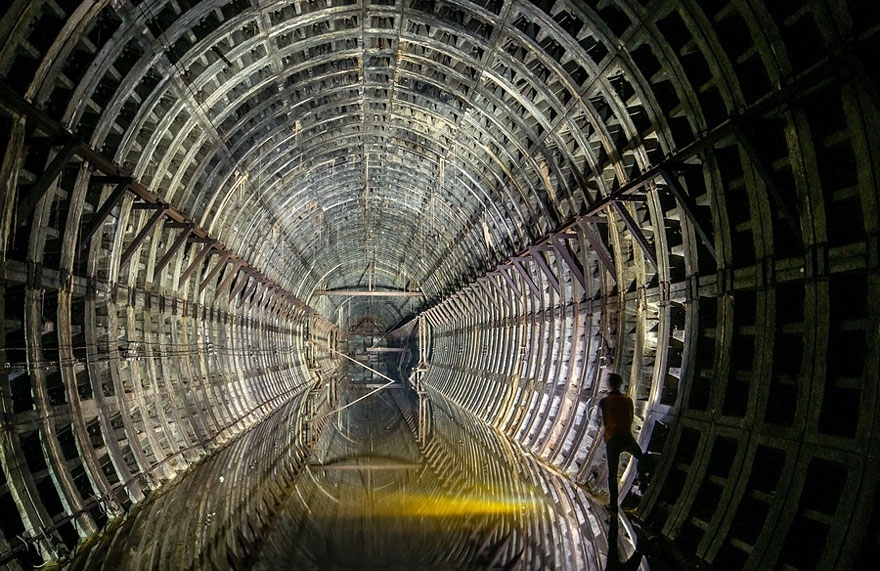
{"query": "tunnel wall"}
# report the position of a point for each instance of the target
(109, 391)
(750, 346)
(135, 343)
(130, 350)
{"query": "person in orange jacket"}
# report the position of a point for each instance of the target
(617, 417)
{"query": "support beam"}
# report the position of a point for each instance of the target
(487, 291)
(200, 257)
(180, 241)
(502, 293)
(513, 285)
(230, 274)
(273, 304)
(636, 232)
(142, 235)
(598, 246)
(560, 243)
(524, 273)
(769, 184)
(441, 313)
(472, 293)
(259, 294)
(689, 208)
(459, 306)
(40, 122)
(251, 288)
(266, 297)
(53, 170)
(435, 316)
(106, 208)
(538, 256)
(243, 277)
(224, 257)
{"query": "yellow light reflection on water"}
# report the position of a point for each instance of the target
(408, 503)
(470, 505)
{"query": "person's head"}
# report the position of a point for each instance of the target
(614, 380)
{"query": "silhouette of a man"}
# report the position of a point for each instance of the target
(617, 417)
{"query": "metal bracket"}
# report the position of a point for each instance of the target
(224, 257)
(598, 245)
(181, 239)
(105, 208)
(230, 274)
(538, 257)
(502, 293)
(518, 265)
(53, 170)
(689, 208)
(199, 258)
(560, 242)
(243, 277)
(513, 285)
(636, 232)
(142, 235)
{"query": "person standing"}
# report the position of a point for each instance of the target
(617, 417)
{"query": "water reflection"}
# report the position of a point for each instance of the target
(373, 499)
(364, 495)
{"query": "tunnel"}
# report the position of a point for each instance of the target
(338, 284)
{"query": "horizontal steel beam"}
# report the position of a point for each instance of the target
(369, 293)
(371, 467)
(386, 349)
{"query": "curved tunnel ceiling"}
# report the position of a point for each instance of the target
(409, 145)
(203, 197)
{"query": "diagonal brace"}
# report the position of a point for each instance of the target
(636, 232)
(598, 246)
(564, 252)
(689, 208)
(105, 209)
(224, 257)
(181, 239)
(518, 264)
(200, 257)
(538, 256)
(142, 235)
(41, 186)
